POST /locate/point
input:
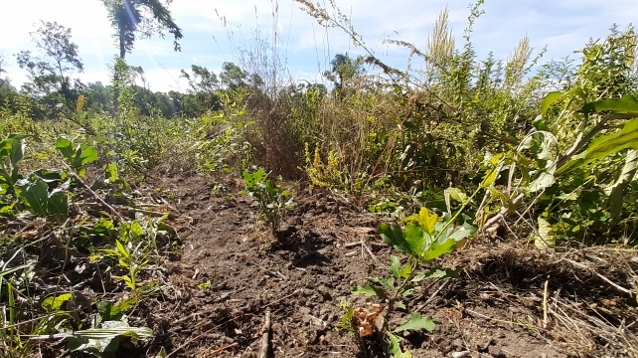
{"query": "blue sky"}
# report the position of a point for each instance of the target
(305, 46)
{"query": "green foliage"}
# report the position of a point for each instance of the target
(272, 200)
(133, 18)
(11, 152)
(423, 239)
(50, 71)
(78, 156)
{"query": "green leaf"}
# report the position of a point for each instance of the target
(438, 249)
(88, 155)
(395, 267)
(385, 282)
(540, 124)
(457, 233)
(103, 342)
(415, 238)
(616, 191)
(35, 192)
(425, 219)
(367, 290)
(65, 146)
(55, 303)
(456, 195)
(543, 181)
(121, 249)
(549, 99)
(394, 348)
(627, 106)
(443, 273)
(409, 291)
(393, 236)
(416, 323)
(489, 178)
(605, 145)
(406, 271)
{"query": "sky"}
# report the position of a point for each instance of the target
(219, 31)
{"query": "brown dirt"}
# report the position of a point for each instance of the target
(495, 309)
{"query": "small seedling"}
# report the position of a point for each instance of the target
(272, 200)
(424, 238)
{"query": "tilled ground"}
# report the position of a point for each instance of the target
(230, 273)
(508, 302)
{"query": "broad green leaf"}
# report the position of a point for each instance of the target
(36, 194)
(394, 348)
(438, 249)
(58, 202)
(406, 271)
(409, 291)
(400, 305)
(385, 282)
(17, 152)
(65, 146)
(393, 236)
(627, 105)
(443, 273)
(88, 155)
(426, 220)
(55, 303)
(415, 238)
(395, 267)
(108, 311)
(549, 99)
(418, 278)
(103, 342)
(417, 323)
(455, 194)
(605, 145)
(367, 290)
(616, 191)
(456, 232)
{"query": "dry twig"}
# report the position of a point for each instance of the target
(264, 350)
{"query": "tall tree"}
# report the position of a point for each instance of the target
(146, 18)
(343, 70)
(50, 71)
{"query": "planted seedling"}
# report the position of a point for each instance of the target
(273, 201)
(425, 237)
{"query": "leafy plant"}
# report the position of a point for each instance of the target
(272, 200)
(425, 237)
(11, 152)
(78, 156)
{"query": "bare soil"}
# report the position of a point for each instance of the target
(510, 300)
(495, 309)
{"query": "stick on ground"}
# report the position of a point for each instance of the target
(265, 349)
